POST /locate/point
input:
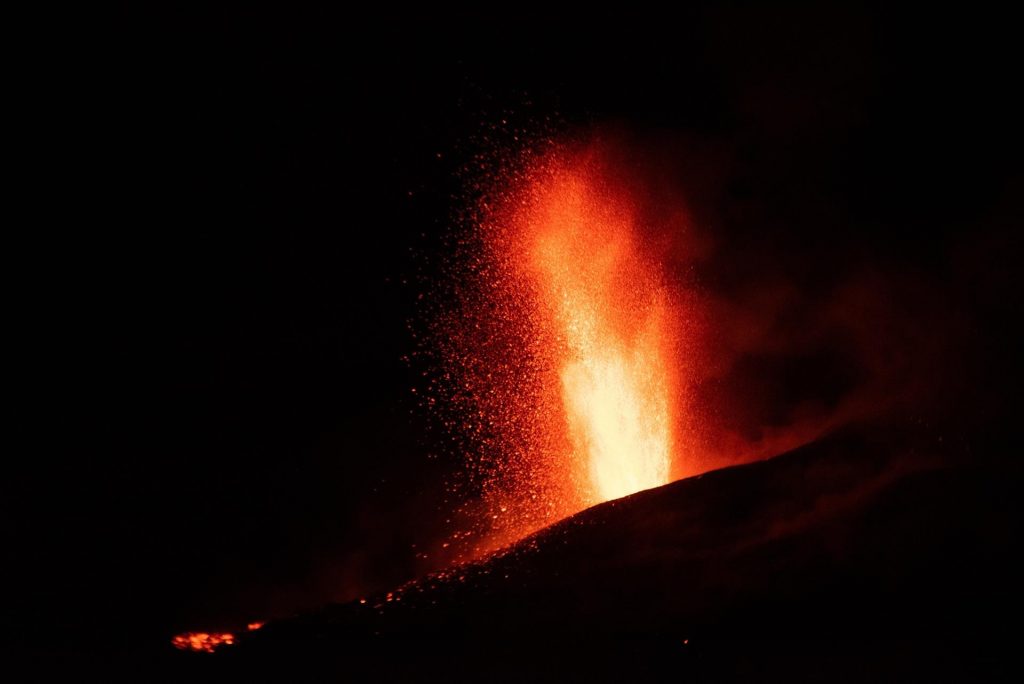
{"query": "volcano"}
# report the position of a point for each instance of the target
(873, 531)
(513, 344)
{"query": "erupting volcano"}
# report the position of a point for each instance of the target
(569, 348)
(515, 344)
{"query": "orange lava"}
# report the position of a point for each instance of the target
(566, 361)
(203, 642)
(208, 642)
(605, 309)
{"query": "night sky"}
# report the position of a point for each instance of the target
(232, 433)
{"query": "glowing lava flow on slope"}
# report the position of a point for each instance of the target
(203, 642)
(208, 642)
(566, 353)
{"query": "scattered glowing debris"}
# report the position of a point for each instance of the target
(253, 626)
(203, 642)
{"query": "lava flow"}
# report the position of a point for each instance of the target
(570, 364)
(208, 642)
(203, 642)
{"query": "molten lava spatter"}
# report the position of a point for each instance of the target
(565, 360)
(606, 311)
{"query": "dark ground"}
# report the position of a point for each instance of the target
(887, 552)
(869, 530)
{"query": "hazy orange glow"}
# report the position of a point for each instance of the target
(253, 626)
(203, 642)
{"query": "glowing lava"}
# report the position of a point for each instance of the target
(208, 642)
(606, 308)
(565, 361)
(203, 642)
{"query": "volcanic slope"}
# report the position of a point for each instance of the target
(874, 531)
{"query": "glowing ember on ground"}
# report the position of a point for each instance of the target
(203, 642)
(208, 642)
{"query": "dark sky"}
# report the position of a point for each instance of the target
(233, 433)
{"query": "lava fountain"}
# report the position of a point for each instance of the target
(566, 359)
(606, 308)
